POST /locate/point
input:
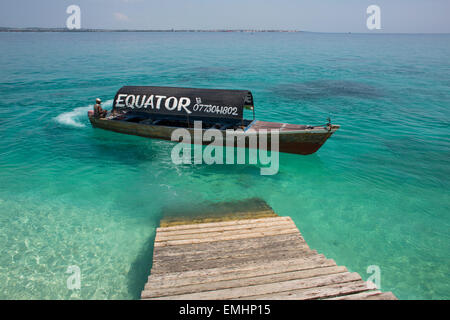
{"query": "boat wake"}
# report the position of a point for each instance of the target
(77, 117)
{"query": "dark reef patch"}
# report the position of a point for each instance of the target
(209, 73)
(319, 89)
(214, 69)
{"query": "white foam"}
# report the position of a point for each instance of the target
(73, 118)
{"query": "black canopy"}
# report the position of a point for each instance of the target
(214, 103)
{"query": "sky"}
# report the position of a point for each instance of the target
(397, 16)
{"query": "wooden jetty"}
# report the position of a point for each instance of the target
(259, 256)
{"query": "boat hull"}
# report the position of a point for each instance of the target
(291, 140)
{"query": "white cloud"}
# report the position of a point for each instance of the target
(120, 16)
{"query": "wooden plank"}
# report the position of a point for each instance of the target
(226, 233)
(184, 279)
(211, 255)
(204, 257)
(233, 251)
(151, 291)
(321, 292)
(242, 292)
(227, 269)
(383, 296)
(159, 267)
(225, 238)
(273, 252)
(357, 296)
(222, 223)
(210, 230)
(214, 217)
(283, 240)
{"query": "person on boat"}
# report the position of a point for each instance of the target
(98, 110)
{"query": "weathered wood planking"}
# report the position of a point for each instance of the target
(252, 258)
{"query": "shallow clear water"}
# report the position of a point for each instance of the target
(377, 193)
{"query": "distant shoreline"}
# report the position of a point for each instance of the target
(35, 29)
(8, 29)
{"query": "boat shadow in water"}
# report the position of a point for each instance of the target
(286, 163)
(128, 149)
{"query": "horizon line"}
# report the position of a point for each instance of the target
(64, 29)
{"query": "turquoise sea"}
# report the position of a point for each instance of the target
(377, 193)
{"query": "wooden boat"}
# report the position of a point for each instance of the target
(155, 112)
